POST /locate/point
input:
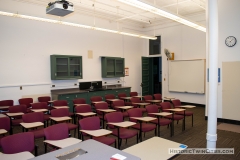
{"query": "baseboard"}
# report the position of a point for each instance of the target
(230, 121)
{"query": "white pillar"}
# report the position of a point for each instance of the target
(212, 35)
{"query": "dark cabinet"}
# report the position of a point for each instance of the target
(66, 67)
(112, 67)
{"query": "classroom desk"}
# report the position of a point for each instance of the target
(111, 101)
(124, 107)
(86, 114)
(97, 133)
(15, 114)
(154, 101)
(4, 107)
(119, 125)
(161, 114)
(64, 142)
(17, 156)
(187, 107)
(31, 125)
(39, 110)
(155, 148)
(3, 131)
(95, 151)
(57, 107)
(104, 111)
(59, 119)
(177, 110)
(168, 98)
(125, 98)
(2, 115)
(140, 120)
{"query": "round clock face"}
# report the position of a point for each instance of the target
(230, 41)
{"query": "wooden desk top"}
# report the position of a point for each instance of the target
(86, 114)
(64, 142)
(39, 110)
(32, 125)
(161, 114)
(59, 119)
(97, 133)
(142, 104)
(57, 107)
(51, 101)
(153, 149)
(124, 107)
(4, 107)
(176, 109)
(2, 115)
(3, 131)
(17, 156)
(99, 102)
(106, 110)
(154, 101)
(145, 119)
(79, 104)
(169, 98)
(125, 97)
(112, 100)
(15, 114)
(138, 96)
(187, 106)
(123, 124)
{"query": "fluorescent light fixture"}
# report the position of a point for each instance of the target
(75, 25)
(152, 9)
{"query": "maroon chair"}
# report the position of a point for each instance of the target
(34, 117)
(124, 133)
(160, 121)
(5, 124)
(109, 96)
(158, 96)
(133, 94)
(96, 98)
(93, 123)
(176, 103)
(45, 99)
(6, 103)
(42, 105)
(62, 103)
(27, 102)
(16, 120)
(84, 108)
(167, 105)
(137, 100)
(19, 142)
(102, 105)
(149, 97)
(121, 95)
(119, 103)
(146, 127)
(78, 101)
(64, 112)
(56, 132)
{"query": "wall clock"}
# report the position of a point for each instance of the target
(230, 41)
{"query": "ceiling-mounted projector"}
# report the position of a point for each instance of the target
(60, 8)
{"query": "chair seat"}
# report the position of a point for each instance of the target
(46, 117)
(38, 133)
(71, 114)
(143, 109)
(125, 114)
(128, 103)
(162, 121)
(16, 122)
(187, 113)
(71, 126)
(145, 127)
(106, 140)
(175, 117)
(124, 133)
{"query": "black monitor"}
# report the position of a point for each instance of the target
(84, 85)
(97, 84)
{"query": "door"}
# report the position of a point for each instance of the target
(147, 85)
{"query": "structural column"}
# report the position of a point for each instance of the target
(212, 54)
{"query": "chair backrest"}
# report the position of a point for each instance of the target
(5, 123)
(56, 132)
(157, 96)
(17, 108)
(44, 99)
(122, 95)
(134, 112)
(133, 94)
(96, 98)
(147, 97)
(6, 103)
(60, 103)
(176, 103)
(110, 96)
(61, 112)
(19, 142)
(90, 123)
(114, 117)
(118, 103)
(33, 117)
(26, 101)
(165, 105)
(79, 101)
(103, 105)
(135, 100)
(153, 108)
(83, 108)
(40, 105)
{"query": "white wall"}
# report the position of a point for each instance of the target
(26, 47)
(186, 43)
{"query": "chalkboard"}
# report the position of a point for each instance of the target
(187, 76)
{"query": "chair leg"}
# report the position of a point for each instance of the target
(192, 120)
(177, 122)
(36, 150)
(74, 132)
(120, 143)
(126, 141)
(137, 138)
(45, 146)
(144, 134)
(115, 144)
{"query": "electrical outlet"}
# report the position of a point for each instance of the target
(53, 85)
(20, 87)
(75, 84)
(118, 81)
(105, 82)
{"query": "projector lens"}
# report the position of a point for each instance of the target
(65, 6)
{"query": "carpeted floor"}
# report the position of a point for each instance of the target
(229, 127)
(193, 137)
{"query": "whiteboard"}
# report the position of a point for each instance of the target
(187, 76)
